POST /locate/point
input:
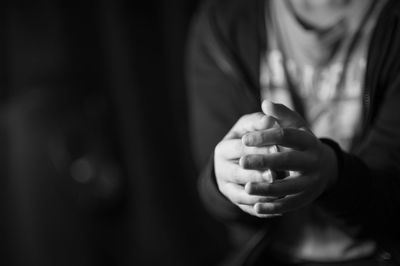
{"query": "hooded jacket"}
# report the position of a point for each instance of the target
(223, 68)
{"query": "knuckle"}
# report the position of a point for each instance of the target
(250, 117)
(236, 176)
(240, 147)
(234, 198)
(223, 189)
(243, 118)
(257, 115)
(218, 149)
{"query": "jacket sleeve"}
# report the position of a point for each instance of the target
(368, 188)
(216, 102)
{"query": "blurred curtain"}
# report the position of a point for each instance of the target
(95, 162)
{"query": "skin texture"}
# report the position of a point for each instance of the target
(243, 156)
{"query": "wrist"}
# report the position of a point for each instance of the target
(330, 166)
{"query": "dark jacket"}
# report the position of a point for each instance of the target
(227, 39)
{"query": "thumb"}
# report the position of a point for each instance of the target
(284, 116)
(249, 123)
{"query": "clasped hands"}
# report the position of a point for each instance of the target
(243, 162)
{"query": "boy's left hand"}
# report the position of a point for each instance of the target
(312, 163)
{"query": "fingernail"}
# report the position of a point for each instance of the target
(266, 107)
(267, 176)
(266, 103)
(263, 207)
(258, 207)
(273, 149)
(247, 139)
(242, 161)
(248, 187)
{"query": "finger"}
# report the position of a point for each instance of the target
(286, 204)
(285, 116)
(250, 122)
(250, 210)
(268, 198)
(269, 176)
(238, 195)
(287, 160)
(236, 174)
(280, 188)
(233, 149)
(288, 137)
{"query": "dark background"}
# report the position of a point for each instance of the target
(95, 162)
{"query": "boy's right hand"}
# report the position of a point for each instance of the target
(230, 176)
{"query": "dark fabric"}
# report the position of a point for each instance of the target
(100, 81)
(380, 258)
(223, 76)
